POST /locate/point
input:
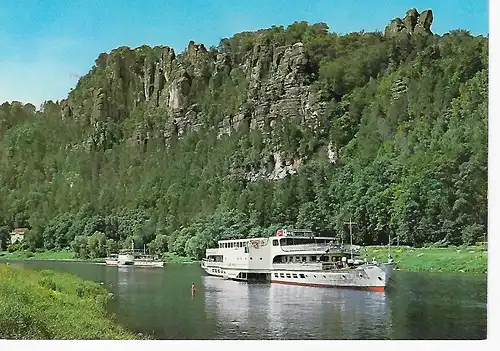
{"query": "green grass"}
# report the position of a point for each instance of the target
(471, 259)
(53, 305)
(44, 255)
(70, 256)
(173, 258)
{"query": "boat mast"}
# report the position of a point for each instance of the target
(389, 245)
(350, 231)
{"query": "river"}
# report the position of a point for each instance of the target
(158, 302)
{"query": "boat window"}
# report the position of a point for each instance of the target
(288, 275)
(275, 242)
(302, 275)
(246, 249)
(294, 275)
(282, 275)
(261, 258)
(304, 258)
(276, 275)
(313, 258)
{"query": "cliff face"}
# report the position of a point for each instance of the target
(273, 83)
(247, 82)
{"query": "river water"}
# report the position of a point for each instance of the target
(158, 302)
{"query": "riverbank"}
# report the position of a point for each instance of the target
(70, 256)
(471, 259)
(453, 259)
(54, 305)
(45, 256)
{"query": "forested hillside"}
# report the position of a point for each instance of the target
(295, 126)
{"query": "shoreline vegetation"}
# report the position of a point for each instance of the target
(53, 305)
(50, 255)
(451, 259)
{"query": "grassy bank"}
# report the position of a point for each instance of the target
(471, 259)
(53, 305)
(44, 255)
(173, 258)
(70, 256)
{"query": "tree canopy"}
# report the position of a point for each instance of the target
(406, 120)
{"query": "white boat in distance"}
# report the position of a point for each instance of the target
(296, 257)
(133, 257)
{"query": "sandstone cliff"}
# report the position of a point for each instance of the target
(248, 82)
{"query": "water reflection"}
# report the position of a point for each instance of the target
(159, 302)
(294, 312)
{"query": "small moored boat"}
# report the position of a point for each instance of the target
(133, 257)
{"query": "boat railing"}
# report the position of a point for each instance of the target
(305, 247)
(209, 263)
(212, 251)
(346, 249)
(301, 266)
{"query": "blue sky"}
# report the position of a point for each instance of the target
(46, 44)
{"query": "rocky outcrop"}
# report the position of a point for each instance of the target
(254, 84)
(272, 83)
(412, 23)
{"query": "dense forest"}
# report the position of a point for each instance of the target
(179, 151)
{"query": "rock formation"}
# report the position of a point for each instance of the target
(412, 23)
(251, 83)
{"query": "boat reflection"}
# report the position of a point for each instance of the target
(295, 312)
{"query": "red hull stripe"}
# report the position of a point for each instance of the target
(369, 288)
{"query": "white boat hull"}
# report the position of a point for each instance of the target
(371, 277)
(157, 264)
(134, 263)
(111, 262)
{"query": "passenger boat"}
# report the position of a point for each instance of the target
(133, 257)
(296, 257)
